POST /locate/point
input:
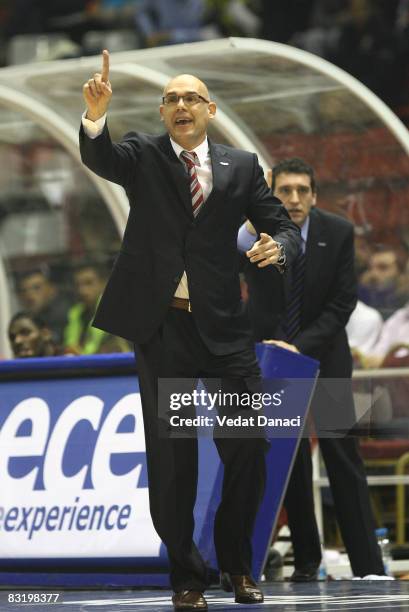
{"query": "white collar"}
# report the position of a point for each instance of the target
(202, 151)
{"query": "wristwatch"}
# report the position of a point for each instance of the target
(282, 259)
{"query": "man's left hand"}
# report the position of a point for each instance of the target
(264, 252)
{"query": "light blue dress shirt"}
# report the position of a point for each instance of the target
(245, 239)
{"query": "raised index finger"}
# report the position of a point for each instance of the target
(105, 66)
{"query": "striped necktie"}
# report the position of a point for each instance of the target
(191, 160)
(292, 319)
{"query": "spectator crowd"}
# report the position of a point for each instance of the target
(368, 38)
(55, 321)
(379, 326)
(60, 313)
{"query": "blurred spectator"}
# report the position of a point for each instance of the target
(367, 38)
(167, 22)
(394, 335)
(363, 328)
(111, 24)
(381, 285)
(34, 17)
(326, 13)
(79, 335)
(402, 21)
(402, 15)
(281, 19)
(322, 37)
(402, 37)
(367, 45)
(29, 336)
(235, 17)
(40, 296)
(116, 13)
(72, 18)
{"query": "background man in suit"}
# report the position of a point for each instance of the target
(319, 296)
(174, 291)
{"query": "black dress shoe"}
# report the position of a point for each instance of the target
(189, 600)
(306, 573)
(245, 589)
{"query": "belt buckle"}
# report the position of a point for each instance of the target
(189, 306)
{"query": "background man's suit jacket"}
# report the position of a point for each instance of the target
(162, 237)
(328, 300)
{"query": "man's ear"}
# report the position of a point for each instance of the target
(161, 112)
(269, 177)
(211, 109)
(314, 198)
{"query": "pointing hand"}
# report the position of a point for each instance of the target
(97, 91)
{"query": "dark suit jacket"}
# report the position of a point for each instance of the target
(162, 237)
(328, 300)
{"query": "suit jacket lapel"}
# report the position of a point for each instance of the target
(314, 252)
(177, 174)
(221, 170)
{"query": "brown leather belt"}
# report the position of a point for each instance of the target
(181, 303)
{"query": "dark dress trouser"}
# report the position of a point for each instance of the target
(347, 478)
(177, 351)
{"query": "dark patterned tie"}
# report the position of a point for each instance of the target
(292, 319)
(191, 160)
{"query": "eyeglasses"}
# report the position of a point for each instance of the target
(189, 99)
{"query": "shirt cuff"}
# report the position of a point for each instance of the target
(245, 239)
(93, 129)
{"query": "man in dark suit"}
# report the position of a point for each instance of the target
(310, 317)
(174, 291)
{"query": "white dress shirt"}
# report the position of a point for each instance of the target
(395, 330)
(204, 174)
(364, 328)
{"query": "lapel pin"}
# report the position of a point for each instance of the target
(322, 244)
(224, 163)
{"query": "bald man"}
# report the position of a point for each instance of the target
(174, 292)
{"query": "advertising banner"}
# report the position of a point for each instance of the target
(73, 470)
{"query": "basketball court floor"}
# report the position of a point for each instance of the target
(354, 596)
